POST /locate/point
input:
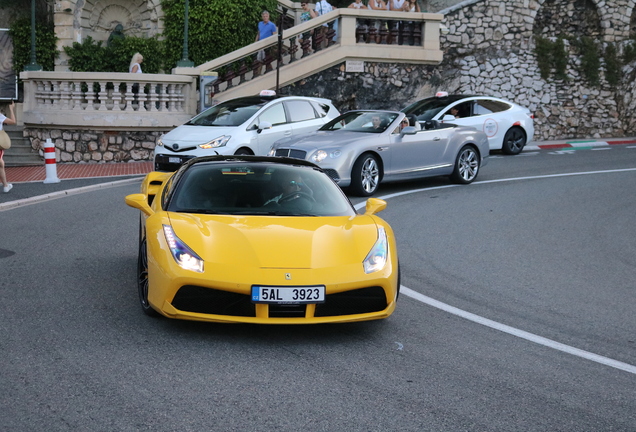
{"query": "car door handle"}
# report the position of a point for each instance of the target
(436, 139)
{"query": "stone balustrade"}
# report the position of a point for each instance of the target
(108, 100)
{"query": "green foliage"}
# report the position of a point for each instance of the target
(629, 52)
(612, 65)
(45, 40)
(92, 56)
(543, 52)
(88, 56)
(215, 28)
(560, 59)
(590, 61)
(551, 55)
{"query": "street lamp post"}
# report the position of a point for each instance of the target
(33, 66)
(185, 62)
(280, 47)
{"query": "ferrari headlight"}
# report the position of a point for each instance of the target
(376, 259)
(216, 142)
(319, 156)
(182, 254)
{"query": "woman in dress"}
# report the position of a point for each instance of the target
(135, 63)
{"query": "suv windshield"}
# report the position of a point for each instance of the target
(361, 121)
(231, 113)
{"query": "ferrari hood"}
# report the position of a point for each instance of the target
(186, 134)
(277, 242)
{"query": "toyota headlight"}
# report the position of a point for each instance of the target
(160, 142)
(182, 254)
(377, 256)
(216, 142)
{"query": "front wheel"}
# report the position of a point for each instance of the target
(365, 175)
(514, 141)
(243, 152)
(142, 279)
(466, 165)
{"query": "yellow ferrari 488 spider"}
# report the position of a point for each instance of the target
(266, 240)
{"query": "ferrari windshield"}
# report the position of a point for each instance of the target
(428, 108)
(362, 121)
(231, 113)
(257, 189)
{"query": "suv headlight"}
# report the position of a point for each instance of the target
(182, 254)
(377, 256)
(216, 142)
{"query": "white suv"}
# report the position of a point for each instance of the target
(247, 125)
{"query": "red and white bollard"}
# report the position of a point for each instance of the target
(49, 159)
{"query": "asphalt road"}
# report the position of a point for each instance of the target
(517, 314)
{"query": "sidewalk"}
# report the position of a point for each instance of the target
(37, 173)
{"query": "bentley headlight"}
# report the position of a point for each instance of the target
(216, 142)
(182, 254)
(319, 156)
(376, 259)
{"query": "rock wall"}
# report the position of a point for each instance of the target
(92, 146)
(490, 49)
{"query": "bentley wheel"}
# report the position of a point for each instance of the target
(466, 165)
(365, 175)
(142, 279)
(514, 141)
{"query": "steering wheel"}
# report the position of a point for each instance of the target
(295, 195)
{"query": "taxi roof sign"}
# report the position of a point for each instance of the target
(267, 93)
(441, 94)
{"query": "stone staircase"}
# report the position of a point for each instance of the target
(20, 153)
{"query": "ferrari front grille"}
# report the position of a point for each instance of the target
(198, 299)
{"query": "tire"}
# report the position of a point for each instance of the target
(466, 165)
(514, 141)
(243, 152)
(365, 175)
(142, 279)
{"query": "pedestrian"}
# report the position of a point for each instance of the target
(307, 14)
(135, 63)
(266, 28)
(5, 142)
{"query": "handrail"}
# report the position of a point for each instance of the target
(348, 34)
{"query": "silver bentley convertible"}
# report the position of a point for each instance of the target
(360, 149)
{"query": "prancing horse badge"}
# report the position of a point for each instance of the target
(288, 276)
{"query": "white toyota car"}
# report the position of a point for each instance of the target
(507, 125)
(242, 126)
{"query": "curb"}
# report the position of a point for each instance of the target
(578, 144)
(60, 194)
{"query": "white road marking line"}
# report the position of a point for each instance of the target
(601, 148)
(494, 324)
(518, 333)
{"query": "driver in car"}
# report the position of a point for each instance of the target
(290, 187)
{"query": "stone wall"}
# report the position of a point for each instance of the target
(490, 49)
(93, 146)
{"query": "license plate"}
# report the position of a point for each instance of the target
(174, 160)
(288, 295)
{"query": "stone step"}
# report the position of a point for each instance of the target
(20, 153)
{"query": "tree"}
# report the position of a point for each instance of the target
(215, 27)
